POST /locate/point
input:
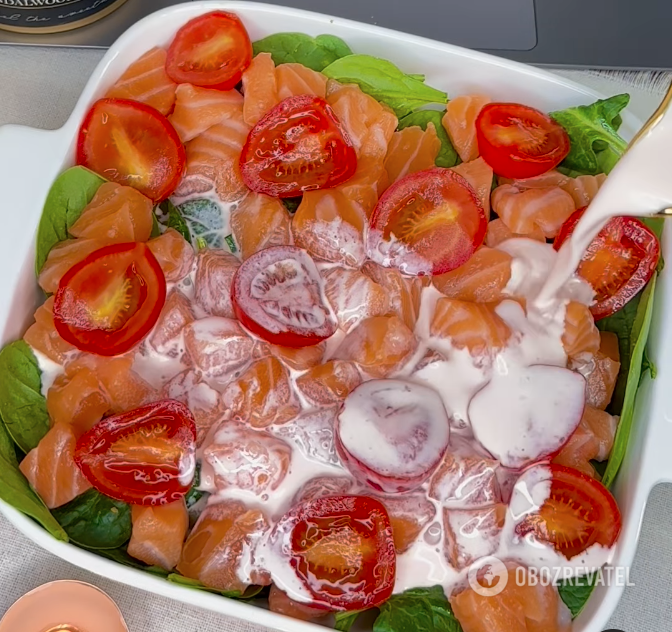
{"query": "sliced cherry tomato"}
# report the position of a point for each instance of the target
(518, 141)
(278, 295)
(342, 549)
(111, 300)
(132, 144)
(298, 146)
(579, 512)
(210, 51)
(427, 223)
(146, 456)
(619, 262)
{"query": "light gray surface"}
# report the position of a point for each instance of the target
(39, 87)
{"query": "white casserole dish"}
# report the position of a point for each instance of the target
(30, 160)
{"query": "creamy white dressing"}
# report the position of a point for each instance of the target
(49, 371)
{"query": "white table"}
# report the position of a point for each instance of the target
(39, 87)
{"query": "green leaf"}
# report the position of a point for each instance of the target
(592, 131)
(314, 52)
(417, 610)
(95, 521)
(385, 82)
(291, 204)
(122, 557)
(576, 591)
(67, 198)
(172, 218)
(250, 592)
(447, 156)
(205, 221)
(22, 406)
(343, 621)
(641, 325)
(156, 228)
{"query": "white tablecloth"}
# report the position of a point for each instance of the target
(39, 87)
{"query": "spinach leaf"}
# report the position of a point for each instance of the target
(592, 131)
(576, 591)
(122, 557)
(291, 204)
(66, 200)
(250, 592)
(95, 521)
(343, 621)
(22, 405)
(447, 156)
(417, 610)
(156, 228)
(632, 343)
(315, 52)
(385, 82)
(172, 218)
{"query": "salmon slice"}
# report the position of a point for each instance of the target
(146, 80)
(158, 534)
(409, 515)
(220, 546)
(62, 257)
(260, 88)
(527, 211)
(215, 270)
(601, 381)
(78, 400)
(460, 124)
(499, 232)
(116, 214)
(411, 149)
(472, 326)
(43, 337)
(482, 279)
(176, 314)
(584, 188)
(296, 79)
(259, 222)
(300, 359)
(280, 602)
(592, 440)
(174, 254)
(551, 178)
(328, 383)
(478, 174)
(51, 470)
(581, 338)
(199, 109)
(472, 533)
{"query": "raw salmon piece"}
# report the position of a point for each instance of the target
(77, 400)
(62, 257)
(312, 433)
(403, 293)
(299, 359)
(354, 296)
(262, 395)
(198, 109)
(146, 80)
(260, 88)
(527, 211)
(584, 188)
(202, 400)
(259, 222)
(478, 174)
(518, 608)
(158, 534)
(473, 326)
(581, 338)
(482, 279)
(116, 214)
(409, 515)
(551, 178)
(175, 316)
(241, 458)
(43, 337)
(601, 380)
(592, 440)
(328, 383)
(221, 545)
(174, 254)
(411, 149)
(51, 470)
(499, 232)
(280, 602)
(379, 345)
(296, 79)
(322, 486)
(214, 275)
(472, 533)
(460, 124)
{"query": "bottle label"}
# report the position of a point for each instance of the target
(50, 14)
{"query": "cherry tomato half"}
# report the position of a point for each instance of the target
(427, 223)
(342, 549)
(298, 146)
(146, 456)
(518, 141)
(111, 300)
(210, 51)
(278, 295)
(619, 262)
(132, 144)
(579, 512)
